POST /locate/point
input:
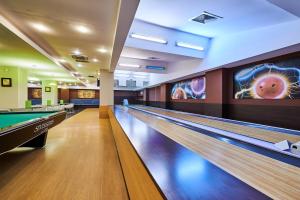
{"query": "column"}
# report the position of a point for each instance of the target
(13, 96)
(106, 92)
(49, 92)
(216, 92)
(164, 95)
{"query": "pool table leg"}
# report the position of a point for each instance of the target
(37, 142)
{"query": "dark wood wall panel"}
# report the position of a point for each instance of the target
(64, 94)
(120, 95)
(281, 116)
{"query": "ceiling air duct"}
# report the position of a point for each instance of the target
(206, 17)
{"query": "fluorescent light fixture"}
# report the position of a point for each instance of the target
(129, 65)
(139, 76)
(189, 46)
(122, 75)
(33, 79)
(149, 38)
(41, 27)
(52, 84)
(102, 50)
(82, 29)
(79, 65)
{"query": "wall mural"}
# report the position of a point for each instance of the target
(269, 81)
(191, 89)
(86, 94)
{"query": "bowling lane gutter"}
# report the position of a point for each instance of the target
(258, 146)
(249, 124)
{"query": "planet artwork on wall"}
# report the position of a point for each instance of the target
(191, 89)
(267, 81)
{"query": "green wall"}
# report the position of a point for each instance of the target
(15, 96)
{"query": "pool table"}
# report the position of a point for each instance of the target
(26, 129)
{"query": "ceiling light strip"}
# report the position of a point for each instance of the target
(189, 46)
(149, 38)
(129, 65)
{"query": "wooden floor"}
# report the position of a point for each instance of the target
(262, 134)
(274, 178)
(79, 162)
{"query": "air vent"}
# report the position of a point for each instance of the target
(80, 58)
(206, 17)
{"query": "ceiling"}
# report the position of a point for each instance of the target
(147, 54)
(238, 15)
(56, 27)
(14, 52)
(145, 57)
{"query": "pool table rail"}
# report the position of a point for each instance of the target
(31, 133)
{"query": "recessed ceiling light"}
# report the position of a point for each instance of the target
(129, 65)
(76, 52)
(95, 60)
(79, 65)
(189, 46)
(82, 29)
(102, 50)
(149, 38)
(41, 27)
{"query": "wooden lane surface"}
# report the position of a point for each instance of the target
(274, 178)
(262, 134)
(79, 162)
(138, 181)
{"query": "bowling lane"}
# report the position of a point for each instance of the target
(274, 178)
(254, 132)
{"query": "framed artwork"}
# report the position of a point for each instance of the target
(268, 81)
(86, 94)
(36, 93)
(6, 82)
(190, 89)
(47, 89)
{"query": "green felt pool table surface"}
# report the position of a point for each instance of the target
(9, 119)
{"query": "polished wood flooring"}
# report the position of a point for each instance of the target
(262, 134)
(274, 178)
(80, 161)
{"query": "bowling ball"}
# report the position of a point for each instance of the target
(198, 86)
(179, 93)
(270, 87)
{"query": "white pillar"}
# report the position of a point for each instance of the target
(16, 95)
(106, 88)
(106, 92)
(49, 92)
